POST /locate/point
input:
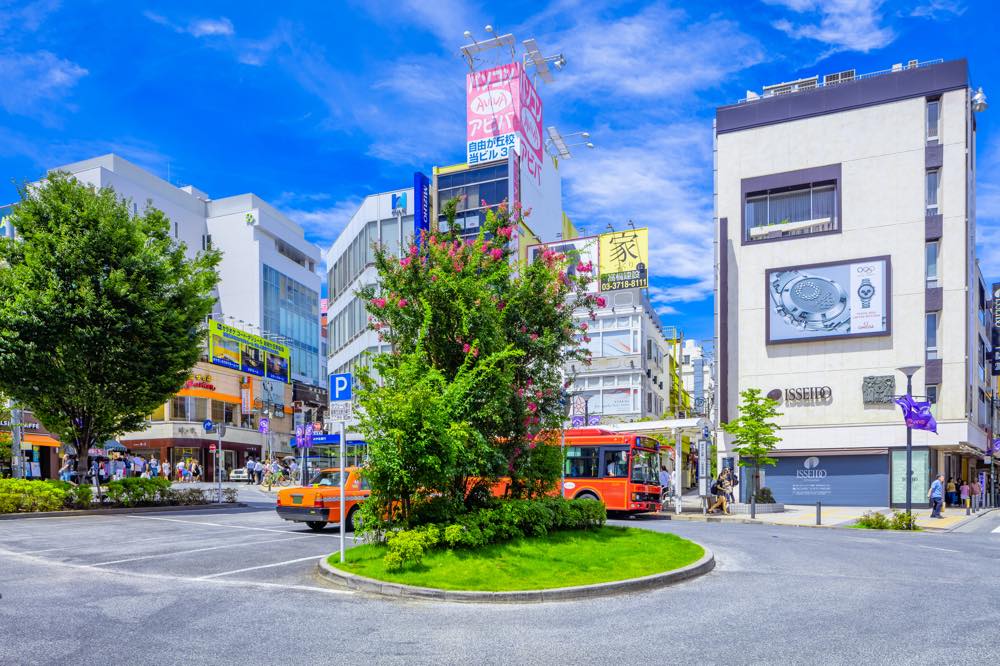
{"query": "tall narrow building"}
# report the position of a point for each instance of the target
(846, 227)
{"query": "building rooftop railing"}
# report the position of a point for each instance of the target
(814, 82)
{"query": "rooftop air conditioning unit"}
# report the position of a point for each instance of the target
(912, 64)
(839, 77)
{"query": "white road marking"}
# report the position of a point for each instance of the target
(179, 579)
(199, 550)
(996, 530)
(242, 527)
(262, 566)
(947, 550)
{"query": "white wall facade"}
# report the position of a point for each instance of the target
(883, 154)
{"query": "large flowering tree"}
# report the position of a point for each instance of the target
(474, 376)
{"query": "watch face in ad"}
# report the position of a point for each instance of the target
(830, 300)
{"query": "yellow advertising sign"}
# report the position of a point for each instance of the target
(233, 348)
(623, 259)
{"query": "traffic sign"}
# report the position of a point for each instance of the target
(341, 411)
(208, 425)
(265, 425)
(340, 387)
(211, 448)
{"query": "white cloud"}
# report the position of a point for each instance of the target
(323, 225)
(844, 25)
(445, 19)
(211, 27)
(939, 9)
(31, 82)
(27, 17)
(657, 176)
(664, 310)
(653, 54)
(203, 27)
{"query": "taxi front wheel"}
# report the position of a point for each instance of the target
(316, 525)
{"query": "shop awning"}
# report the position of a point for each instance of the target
(40, 440)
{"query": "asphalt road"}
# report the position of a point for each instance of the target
(237, 586)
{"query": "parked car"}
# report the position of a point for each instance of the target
(238, 474)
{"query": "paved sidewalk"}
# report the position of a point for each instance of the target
(832, 516)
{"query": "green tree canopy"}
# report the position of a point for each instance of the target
(102, 315)
(754, 430)
(475, 373)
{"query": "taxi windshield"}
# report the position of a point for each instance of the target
(326, 478)
(644, 469)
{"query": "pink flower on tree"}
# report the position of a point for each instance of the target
(413, 250)
(505, 232)
(531, 445)
(404, 262)
(466, 347)
(402, 303)
(583, 326)
(601, 302)
(378, 302)
(534, 336)
(434, 278)
(496, 253)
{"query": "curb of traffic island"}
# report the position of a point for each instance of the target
(969, 519)
(702, 518)
(102, 512)
(398, 590)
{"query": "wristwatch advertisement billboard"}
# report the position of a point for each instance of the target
(829, 300)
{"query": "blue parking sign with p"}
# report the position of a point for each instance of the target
(340, 387)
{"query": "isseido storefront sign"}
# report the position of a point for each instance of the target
(802, 394)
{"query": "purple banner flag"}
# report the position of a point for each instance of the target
(917, 414)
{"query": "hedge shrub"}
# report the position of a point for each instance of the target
(504, 521)
(139, 491)
(21, 495)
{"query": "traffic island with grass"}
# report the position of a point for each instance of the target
(559, 560)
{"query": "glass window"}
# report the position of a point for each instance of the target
(390, 235)
(932, 335)
(808, 203)
(178, 408)
(933, 184)
(159, 414)
(644, 468)
(933, 118)
(616, 343)
(581, 462)
(932, 263)
(615, 464)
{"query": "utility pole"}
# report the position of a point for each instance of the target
(15, 441)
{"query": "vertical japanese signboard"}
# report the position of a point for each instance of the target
(995, 332)
(503, 114)
(421, 205)
(623, 259)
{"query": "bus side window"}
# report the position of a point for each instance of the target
(581, 462)
(615, 464)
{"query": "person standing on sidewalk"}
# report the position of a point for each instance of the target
(249, 469)
(723, 486)
(964, 492)
(936, 495)
(951, 493)
(977, 491)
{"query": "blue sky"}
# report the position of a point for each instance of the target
(314, 105)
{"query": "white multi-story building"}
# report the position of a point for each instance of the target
(385, 218)
(268, 286)
(845, 214)
(698, 377)
(629, 377)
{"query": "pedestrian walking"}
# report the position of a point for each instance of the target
(721, 489)
(64, 471)
(258, 472)
(180, 472)
(977, 491)
(154, 467)
(936, 495)
(964, 491)
(249, 470)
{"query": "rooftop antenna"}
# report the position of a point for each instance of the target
(541, 63)
(611, 228)
(631, 224)
(470, 51)
(557, 142)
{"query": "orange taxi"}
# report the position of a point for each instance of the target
(318, 504)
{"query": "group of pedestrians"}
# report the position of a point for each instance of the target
(189, 471)
(959, 492)
(258, 470)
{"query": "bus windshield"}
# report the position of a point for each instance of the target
(644, 469)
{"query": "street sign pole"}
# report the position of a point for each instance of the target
(218, 460)
(343, 474)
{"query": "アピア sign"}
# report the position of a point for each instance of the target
(623, 257)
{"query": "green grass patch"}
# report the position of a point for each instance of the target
(561, 559)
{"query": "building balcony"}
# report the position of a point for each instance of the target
(792, 228)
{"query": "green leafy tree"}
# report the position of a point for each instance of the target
(474, 375)
(102, 315)
(754, 431)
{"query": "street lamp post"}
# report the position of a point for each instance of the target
(909, 371)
